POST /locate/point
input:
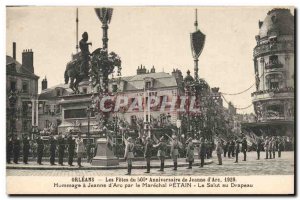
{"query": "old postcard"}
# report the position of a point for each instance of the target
(150, 100)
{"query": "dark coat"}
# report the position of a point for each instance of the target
(202, 149)
(148, 149)
(26, 145)
(40, 145)
(244, 145)
(52, 145)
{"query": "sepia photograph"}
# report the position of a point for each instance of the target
(150, 100)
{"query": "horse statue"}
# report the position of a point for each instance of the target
(72, 73)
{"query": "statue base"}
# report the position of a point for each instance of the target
(104, 155)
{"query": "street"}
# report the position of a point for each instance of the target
(277, 166)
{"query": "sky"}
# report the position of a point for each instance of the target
(151, 36)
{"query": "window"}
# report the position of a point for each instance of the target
(148, 85)
(114, 88)
(84, 90)
(13, 85)
(273, 59)
(274, 81)
(58, 93)
(25, 87)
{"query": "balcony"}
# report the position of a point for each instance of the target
(273, 65)
(287, 92)
(266, 49)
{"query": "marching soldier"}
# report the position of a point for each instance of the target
(71, 149)
(190, 152)
(266, 146)
(26, 147)
(9, 149)
(244, 148)
(274, 146)
(79, 150)
(40, 149)
(202, 151)
(237, 150)
(161, 153)
(129, 154)
(280, 147)
(219, 151)
(148, 153)
(61, 150)
(52, 150)
(270, 147)
(258, 147)
(174, 150)
(16, 150)
(226, 149)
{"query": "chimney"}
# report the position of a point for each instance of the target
(44, 83)
(14, 50)
(27, 60)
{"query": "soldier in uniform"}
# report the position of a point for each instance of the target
(61, 150)
(174, 150)
(229, 149)
(16, 149)
(161, 153)
(71, 149)
(244, 148)
(52, 150)
(232, 148)
(9, 149)
(280, 147)
(148, 153)
(129, 153)
(190, 152)
(274, 146)
(207, 148)
(219, 151)
(202, 151)
(26, 147)
(40, 149)
(258, 147)
(270, 147)
(79, 149)
(266, 146)
(236, 150)
(226, 149)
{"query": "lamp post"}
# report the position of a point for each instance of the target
(89, 111)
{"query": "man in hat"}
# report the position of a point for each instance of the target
(219, 151)
(79, 149)
(174, 150)
(161, 153)
(148, 153)
(71, 149)
(85, 53)
(274, 146)
(9, 149)
(258, 147)
(190, 152)
(266, 147)
(270, 147)
(40, 149)
(280, 147)
(244, 148)
(226, 145)
(129, 153)
(237, 150)
(52, 150)
(26, 147)
(61, 149)
(16, 149)
(202, 151)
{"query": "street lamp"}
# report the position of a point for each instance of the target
(89, 111)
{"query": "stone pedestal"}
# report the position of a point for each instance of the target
(104, 155)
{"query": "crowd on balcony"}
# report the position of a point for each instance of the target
(275, 90)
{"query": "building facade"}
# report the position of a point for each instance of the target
(21, 90)
(274, 68)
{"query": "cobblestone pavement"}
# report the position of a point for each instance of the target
(278, 166)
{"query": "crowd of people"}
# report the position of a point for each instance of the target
(165, 147)
(57, 147)
(204, 149)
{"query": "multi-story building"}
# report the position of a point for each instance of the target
(274, 67)
(22, 90)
